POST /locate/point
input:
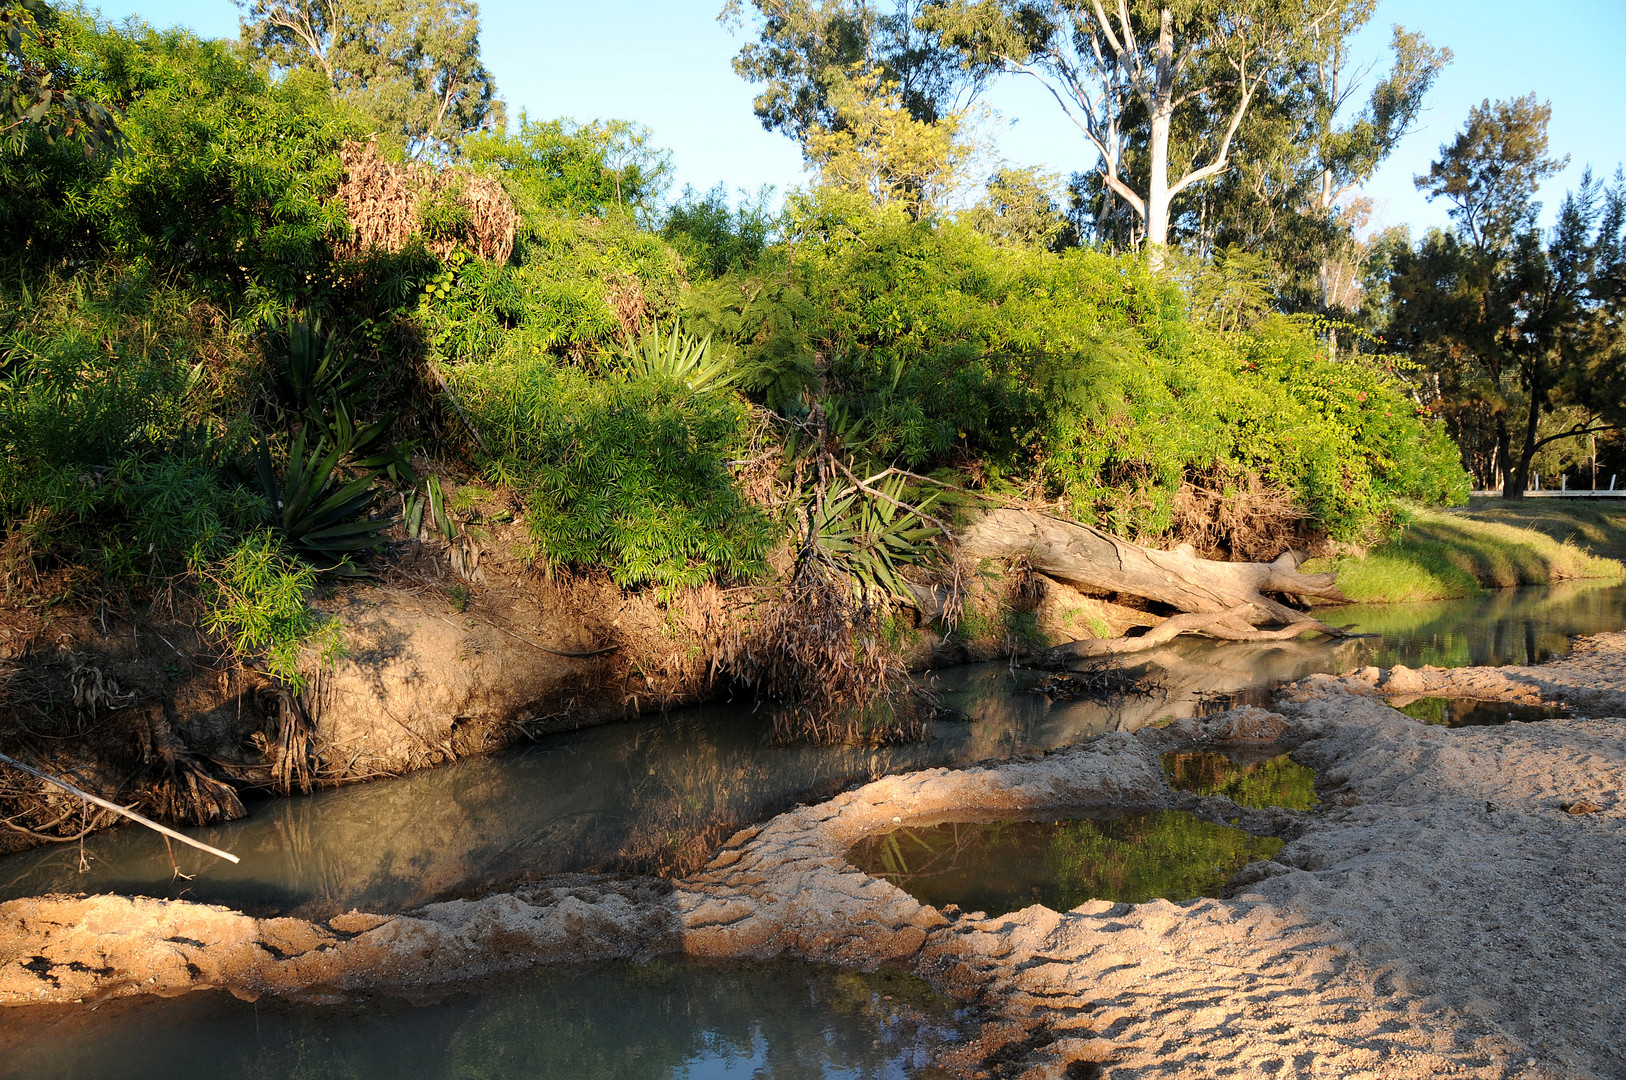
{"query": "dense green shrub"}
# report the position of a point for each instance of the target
(116, 460)
(1079, 370)
(715, 238)
(225, 178)
(577, 287)
(624, 473)
(604, 168)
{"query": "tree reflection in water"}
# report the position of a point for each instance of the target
(1004, 866)
(1257, 780)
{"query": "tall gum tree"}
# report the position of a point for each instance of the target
(1111, 67)
(412, 65)
(803, 52)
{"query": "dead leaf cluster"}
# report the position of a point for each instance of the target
(383, 201)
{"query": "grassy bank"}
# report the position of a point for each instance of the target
(1598, 527)
(1442, 556)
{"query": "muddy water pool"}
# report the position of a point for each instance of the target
(661, 1021)
(658, 794)
(1061, 860)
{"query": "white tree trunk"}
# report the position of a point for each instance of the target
(1157, 194)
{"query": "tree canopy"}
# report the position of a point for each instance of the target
(413, 66)
(1521, 330)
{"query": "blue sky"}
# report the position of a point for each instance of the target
(666, 65)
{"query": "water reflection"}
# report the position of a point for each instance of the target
(658, 795)
(1466, 712)
(1247, 779)
(1003, 866)
(1509, 626)
(660, 1022)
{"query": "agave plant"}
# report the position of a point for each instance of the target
(870, 537)
(315, 370)
(677, 356)
(317, 510)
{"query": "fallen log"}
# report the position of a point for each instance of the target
(1088, 558)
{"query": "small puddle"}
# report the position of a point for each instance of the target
(1466, 712)
(1246, 779)
(1003, 866)
(661, 1021)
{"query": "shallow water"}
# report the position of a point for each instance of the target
(1466, 712)
(1509, 626)
(663, 1021)
(1003, 866)
(1247, 779)
(659, 794)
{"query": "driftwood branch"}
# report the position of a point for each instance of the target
(117, 809)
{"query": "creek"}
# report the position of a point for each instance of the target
(657, 795)
(659, 1021)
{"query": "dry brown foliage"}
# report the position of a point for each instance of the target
(382, 202)
(1242, 519)
(626, 297)
(818, 653)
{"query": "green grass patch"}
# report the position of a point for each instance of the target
(1445, 556)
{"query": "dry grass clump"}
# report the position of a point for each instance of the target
(385, 205)
(625, 294)
(1241, 518)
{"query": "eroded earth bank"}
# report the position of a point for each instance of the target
(1450, 908)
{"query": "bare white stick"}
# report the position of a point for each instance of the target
(117, 809)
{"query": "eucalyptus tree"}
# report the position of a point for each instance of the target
(36, 89)
(1314, 136)
(414, 66)
(1134, 73)
(804, 50)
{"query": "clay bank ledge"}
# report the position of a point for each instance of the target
(1443, 912)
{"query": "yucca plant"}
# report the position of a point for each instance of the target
(316, 509)
(677, 356)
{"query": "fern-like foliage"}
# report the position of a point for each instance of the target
(627, 474)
